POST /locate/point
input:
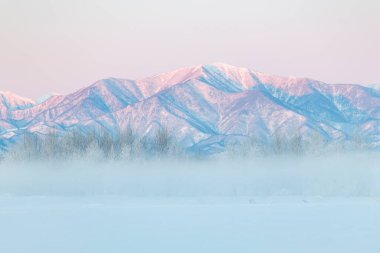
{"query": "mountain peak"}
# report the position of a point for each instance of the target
(203, 104)
(224, 65)
(14, 100)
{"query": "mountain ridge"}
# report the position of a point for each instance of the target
(203, 103)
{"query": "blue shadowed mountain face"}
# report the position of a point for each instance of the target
(205, 108)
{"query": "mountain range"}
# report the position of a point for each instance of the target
(204, 107)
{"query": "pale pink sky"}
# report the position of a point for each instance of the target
(60, 46)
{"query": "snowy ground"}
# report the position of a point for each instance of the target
(323, 205)
(116, 224)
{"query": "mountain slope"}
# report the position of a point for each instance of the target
(206, 106)
(10, 102)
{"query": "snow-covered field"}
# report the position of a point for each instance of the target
(320, 204)
(117, 224)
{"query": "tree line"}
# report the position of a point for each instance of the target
(101, 144)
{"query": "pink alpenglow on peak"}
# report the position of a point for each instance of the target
(10, 102)
(205, 106)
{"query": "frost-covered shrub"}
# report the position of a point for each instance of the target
(100, 144)
(94, 145)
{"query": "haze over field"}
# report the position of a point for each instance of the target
(194, 206)
(338, 175)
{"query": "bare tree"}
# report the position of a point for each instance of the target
(125, 143)
(315, 144)
(296, 144)
(278, 143)
(358, 141)
(162, 141)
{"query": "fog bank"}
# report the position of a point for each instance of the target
(335, 175)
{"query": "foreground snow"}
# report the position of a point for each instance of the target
(273, 204)
(119, 224)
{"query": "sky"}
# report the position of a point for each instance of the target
(51, 46)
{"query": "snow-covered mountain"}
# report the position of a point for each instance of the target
(204, 106)
(374, 86)
(10, 102)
